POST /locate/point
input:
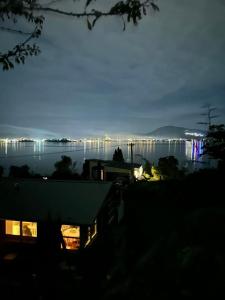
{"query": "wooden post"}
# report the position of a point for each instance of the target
(132, 161)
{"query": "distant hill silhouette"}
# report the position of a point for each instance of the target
(174, 132)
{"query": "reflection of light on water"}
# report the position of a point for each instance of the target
(14, 152)
(107, 147)
(6, 146)
(98, 145)
(14, 145)
(38, 148)
(193, 149)
(85, 149)
(128, 153)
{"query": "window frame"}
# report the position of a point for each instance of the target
(71, 237)
(20, 236)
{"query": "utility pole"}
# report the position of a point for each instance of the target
(209, 116)
(132, 161)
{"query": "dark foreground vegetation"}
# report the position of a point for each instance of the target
(172, 241)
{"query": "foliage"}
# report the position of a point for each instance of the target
(214, 145)
(19, 172)
(180, 227)
(132, 10)
(64, 169)
(86, 167)
(1, 171)
(168, 167)
(14, 9)
(155, 173)
(64, 164)
(147, 168)
(118, 155)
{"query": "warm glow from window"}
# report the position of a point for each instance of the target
(70, 230)
(29, 229)
(18, 228)
(72, 243)
(71, 236)
(12, 227)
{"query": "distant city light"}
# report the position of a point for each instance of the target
(194, 133)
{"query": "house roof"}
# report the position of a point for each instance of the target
(70, 201)
(116, 164)
(122, 165)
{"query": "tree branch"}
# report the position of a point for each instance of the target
(133, 10)
(20, 51)
(14, 30)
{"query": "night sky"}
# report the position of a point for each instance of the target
(106, 81)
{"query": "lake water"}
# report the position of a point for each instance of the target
(41, 156)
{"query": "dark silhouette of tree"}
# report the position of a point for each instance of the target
(118, 155)
(214, 145)
(19, 172)
(127, 10)
(147, 167)
(86, 168)
(1, 171)
(168, 167)
(65, 168)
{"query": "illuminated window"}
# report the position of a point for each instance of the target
(21, 228)
(71, 236)
(29, 229)
(12, 227)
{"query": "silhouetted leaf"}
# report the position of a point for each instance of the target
(94, 21)
(154, 6)
(124, 24)
(17, 59)
(89, 25)
(144, 11)
(11, 66)
(88, 2)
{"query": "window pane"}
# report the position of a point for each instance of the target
(12, 227)
(29, 229)
(72, 243)
(70, 231)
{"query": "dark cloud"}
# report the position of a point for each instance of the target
(87, 83)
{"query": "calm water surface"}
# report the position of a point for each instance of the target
(40, 156)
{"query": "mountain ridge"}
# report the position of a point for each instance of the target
(176, 132)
